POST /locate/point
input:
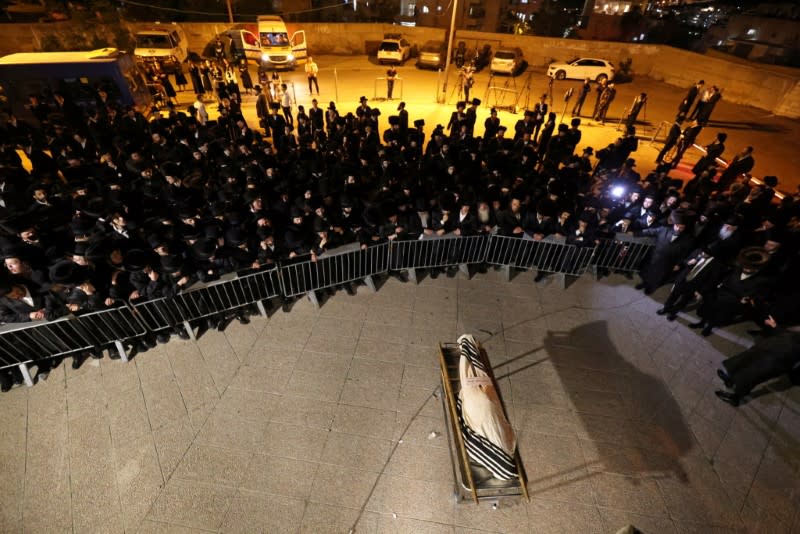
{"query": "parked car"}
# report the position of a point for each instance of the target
(394, 50)
(165, 44)
(432, 55)
(507, 61)
(582, 68)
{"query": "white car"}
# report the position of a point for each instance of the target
(165, 44)
(507, 61)
(582, 68)
(394, 51)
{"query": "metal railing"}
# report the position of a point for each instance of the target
(21, 344)
(623, 253)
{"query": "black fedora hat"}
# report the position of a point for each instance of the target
(204, 249)
(753, 258)
(68, 273)
(137, 259)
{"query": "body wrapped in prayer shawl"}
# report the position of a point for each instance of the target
(488, 436)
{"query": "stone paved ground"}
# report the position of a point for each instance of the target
(293, 424)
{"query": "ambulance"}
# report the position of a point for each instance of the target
(278, 50)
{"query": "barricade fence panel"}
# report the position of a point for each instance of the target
(551, 255)
(106, 326)
(438, 252)
(623, 253)
(328, 271)
(42, 341)
(45, 340)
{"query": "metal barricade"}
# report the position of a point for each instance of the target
(547, 255)
(437, 251)
(25, 343)
(550, 255)
(333, 269)
(211, 299)
(112, 326)
(623, 253)
(22, 344)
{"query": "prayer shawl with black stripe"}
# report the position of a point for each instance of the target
(488, 436)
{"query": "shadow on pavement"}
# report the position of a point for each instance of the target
(631, 417)
(747, 125)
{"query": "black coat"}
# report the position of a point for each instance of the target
(667, 254)
(770, 357)
(18, 311)
(724, 306)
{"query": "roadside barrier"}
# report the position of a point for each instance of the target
(345, 265)
(23, 344)
(437, 252)
(623, 253)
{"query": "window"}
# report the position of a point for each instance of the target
(476, 11)
(426, 9)
(274, 39)
(249, 39)
(411, 9)
(153, 41)
(751, 32)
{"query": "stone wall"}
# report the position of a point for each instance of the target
(773, 90)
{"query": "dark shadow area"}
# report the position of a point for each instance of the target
(643, 430)
(747, 125)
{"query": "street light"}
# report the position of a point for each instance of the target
(449, 51)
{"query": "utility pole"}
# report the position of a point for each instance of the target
(230, 12)
(449, 52)
(588, 9)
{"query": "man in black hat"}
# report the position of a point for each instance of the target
(558, 149)
(363, 108)
(736, 298)
(471, 116)
(457, 118)
(402, 114)
(539, 114)
(22, 302)
(742, 163)
(417, 135)
(585, 89)
(688, 100)
(392, 137)
(275, 123)
(714, 150)
(524, 126)
(509, 221)
(297, 237)
(771, 356)
(673, 244)
(686, 140)
(699, 276)
(491, 125)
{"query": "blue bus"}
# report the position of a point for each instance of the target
(79, 76)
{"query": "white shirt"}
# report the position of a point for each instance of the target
(312, 69)
(286, 100)
(28, 299)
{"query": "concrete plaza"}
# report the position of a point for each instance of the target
(320, 421)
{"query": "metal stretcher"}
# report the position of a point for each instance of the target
(472, 480)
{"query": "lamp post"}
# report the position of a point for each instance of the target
(230, 12)
(449, 51)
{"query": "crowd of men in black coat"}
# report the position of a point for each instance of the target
(118, 208)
